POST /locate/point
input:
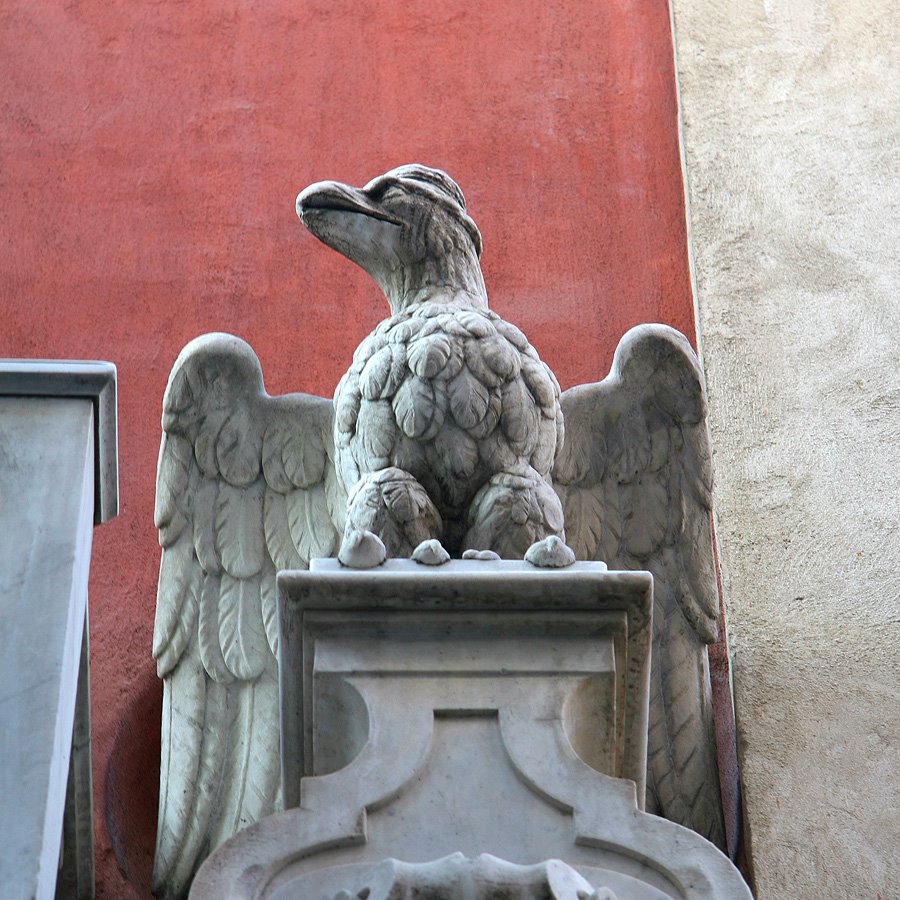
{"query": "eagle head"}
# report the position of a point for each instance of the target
(408, 229)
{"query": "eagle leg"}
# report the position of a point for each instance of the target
(393, 505)
(511, 512)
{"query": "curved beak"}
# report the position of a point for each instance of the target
(332, 196)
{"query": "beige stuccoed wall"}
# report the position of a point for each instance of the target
(792, 150)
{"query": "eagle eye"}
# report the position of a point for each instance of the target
(383, 188)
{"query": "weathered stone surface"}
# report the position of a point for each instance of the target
(444, 398)
(49, 437)
(94, 381)
(790, 125)
(447, 427)
(484, 878)
(479, 707)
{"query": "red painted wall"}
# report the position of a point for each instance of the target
(150, 154)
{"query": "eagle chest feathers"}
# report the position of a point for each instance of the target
(450, 394)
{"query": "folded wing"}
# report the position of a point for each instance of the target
(635, 479)
(245, 486)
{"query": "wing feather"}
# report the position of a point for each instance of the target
(312, 532)
(238, 449)
(232, 461)
(206, 492)
(252, 736)
(205, 446)
(635, 476)
(193, 753)
(584, 515)
(239, 536)
(242, 634)
(279, 540)
(208, 640)
(646, 501)
(269, 607)
(176, 604)
(184, 692)
(176, 456)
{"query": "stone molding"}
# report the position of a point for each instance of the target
(457, 692)
(92, 379)
(58, 447)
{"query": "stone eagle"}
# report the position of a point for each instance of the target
(447, 427)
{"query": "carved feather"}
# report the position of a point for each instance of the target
(293, 448)
(279, 540)
(192, 756)
(635, 476)
(451, 325)
(501, 357)
(403, 331)
(406, 499)
(269, 606)
(469, 399)
(520, 418)
(311, 529)
(457, 449)
(205, 445)
(646, 501)
(208, 640)
(497, 453)
(176, 604)
(541, 387)
(239, 529)
(545, 450)
(241, 631)
(184, 695)
(512, 333)
(376, 434)
(417, 413)
(428, 356)
(251, 735)
(584, 512)
(384, 372)
(176, 456)
(206, 492)
(238, 465)
(347, 399)
(238, 449)
(369, 346)
(476, 323)
(478, 366)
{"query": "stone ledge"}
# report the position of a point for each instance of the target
(71, 378)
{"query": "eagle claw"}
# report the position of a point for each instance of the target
(431, 553)
(483, 555)
(550, 553)
(362, 549)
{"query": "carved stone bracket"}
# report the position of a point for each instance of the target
(483, 708)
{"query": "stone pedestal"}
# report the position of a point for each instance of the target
(57, 479)
(476, 708)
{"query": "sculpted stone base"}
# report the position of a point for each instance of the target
(437, 715)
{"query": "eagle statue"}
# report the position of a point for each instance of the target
(447, 436)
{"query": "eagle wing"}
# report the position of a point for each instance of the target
(245, 486)
(635, 480)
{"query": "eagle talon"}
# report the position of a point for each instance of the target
(362, 549)
(550, 553)
(484, 555)
(430, 553)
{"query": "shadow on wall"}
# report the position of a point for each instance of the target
(132, 785)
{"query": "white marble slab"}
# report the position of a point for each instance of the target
(47, 487)
(435, 715)
(58, 476)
